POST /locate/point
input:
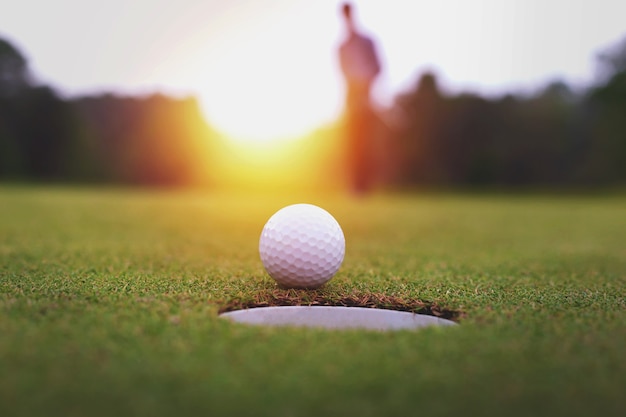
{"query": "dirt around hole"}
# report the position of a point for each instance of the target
(293, 297)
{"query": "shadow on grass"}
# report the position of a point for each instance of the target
(293, 297)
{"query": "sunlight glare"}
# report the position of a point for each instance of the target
(271, 83)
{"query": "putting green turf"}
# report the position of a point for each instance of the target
(109, 300)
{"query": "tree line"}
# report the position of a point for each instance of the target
(556, 137)
(107, 138)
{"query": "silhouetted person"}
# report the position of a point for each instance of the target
(360, 67)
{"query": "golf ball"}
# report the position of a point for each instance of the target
(302, 246)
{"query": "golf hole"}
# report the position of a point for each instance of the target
(334, 317)
(318, 309)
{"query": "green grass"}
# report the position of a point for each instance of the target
(109, 301)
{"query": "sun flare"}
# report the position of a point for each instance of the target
(262, 114)
(277, 101)
(270, 82)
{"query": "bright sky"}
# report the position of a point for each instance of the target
(268, 68)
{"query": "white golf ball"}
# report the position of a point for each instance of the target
(302, 246)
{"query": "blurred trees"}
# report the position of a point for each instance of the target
(47, 142)
(154, 140)
(469, 140)
(39, 136)
(555, 137)
(149, 140)
(14, 76)
(607, 103)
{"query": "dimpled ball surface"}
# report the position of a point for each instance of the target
(302, 246)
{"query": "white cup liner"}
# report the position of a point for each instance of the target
(330, 317)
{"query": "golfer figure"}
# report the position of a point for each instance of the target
(360, 66)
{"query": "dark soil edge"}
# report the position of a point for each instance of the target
(294, 297)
